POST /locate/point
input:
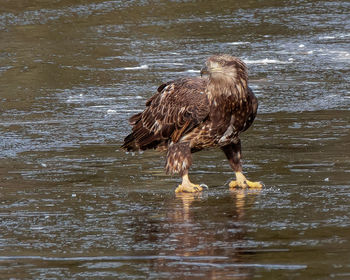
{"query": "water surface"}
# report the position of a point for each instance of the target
(73, 205)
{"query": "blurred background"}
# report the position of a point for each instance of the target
(73, 205)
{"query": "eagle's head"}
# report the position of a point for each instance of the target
(225, 67)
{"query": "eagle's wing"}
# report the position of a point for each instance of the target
(173, 111)
(253, 108)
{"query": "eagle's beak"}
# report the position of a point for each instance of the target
(204, 71)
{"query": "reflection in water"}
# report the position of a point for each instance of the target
(186, 243)
(183, 214)
(244, 199)
(192, 238)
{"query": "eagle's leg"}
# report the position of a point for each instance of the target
(233, 154)
(179, 160)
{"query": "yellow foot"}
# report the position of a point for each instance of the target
(247, 183)
(242, 182)
(189, 188)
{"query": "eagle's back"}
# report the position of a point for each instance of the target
(174, 111)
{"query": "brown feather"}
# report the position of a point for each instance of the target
(179, 132)
(176, 108)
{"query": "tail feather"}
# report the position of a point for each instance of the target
(130, 140)
(129, 143)
(141, 139)
(147, 142)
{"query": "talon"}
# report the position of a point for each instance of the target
(204, 186)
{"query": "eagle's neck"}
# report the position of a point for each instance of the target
(224, 90)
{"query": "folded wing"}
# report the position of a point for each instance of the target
(177, 108)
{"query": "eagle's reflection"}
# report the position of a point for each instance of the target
(239, 196)
(187, 199)
(243, 198)
(208, 231)
(203, 234)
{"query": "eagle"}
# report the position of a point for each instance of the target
(190, 114)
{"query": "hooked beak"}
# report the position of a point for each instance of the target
(204, 71)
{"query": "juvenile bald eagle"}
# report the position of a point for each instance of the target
(196, 113)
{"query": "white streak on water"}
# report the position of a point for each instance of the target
(110, 111)
(193, 71)
(266, 61)
(326, 37)
(238, 43)
(144, 66)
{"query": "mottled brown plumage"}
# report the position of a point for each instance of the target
(195, 113)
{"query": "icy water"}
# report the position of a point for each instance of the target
(73, 205)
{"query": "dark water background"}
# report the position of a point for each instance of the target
(74, 206)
